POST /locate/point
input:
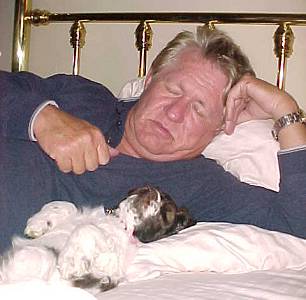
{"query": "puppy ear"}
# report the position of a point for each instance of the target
(168, 213)
(139, 190)
(132, 191)
(183, 219)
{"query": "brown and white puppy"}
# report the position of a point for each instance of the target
(91, 247)
(152, 214)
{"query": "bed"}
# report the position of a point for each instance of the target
(208, 260)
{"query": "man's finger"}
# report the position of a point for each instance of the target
(65, 165)
(91, 159)
(103, 154)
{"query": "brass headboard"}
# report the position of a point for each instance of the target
(25, 17)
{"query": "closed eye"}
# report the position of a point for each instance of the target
(199, 107)
(174, 90)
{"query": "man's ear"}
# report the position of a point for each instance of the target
(148, 79)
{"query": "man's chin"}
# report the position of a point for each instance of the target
(156, 154)
(165, 154)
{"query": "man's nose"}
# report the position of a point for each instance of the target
(176, 111)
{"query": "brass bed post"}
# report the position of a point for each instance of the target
(143, 43)
(21, 37)
(283, 47)
(77, 41)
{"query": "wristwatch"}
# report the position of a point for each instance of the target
(284, 121)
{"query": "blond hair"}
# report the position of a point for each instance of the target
(214, 45)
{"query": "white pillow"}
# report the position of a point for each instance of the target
(250, 153)
(132, 89)
(219, 247)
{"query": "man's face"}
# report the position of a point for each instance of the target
(180, 110)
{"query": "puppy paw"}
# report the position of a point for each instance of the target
(48, 217)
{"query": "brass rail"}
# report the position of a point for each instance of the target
(173, 17)
(25, 17)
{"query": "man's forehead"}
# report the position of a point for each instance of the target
(197, 69)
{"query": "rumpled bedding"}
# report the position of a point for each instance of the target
(219, 247)
(206, 261)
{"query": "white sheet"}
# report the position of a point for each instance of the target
(219, 247)
(39, 289)
(268, 285)
(263, 285)
(237, 262)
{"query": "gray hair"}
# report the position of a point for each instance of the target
(214, 45)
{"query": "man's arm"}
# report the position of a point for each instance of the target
(20, 94)
(252, 98)
(86, 110)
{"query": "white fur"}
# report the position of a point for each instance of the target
(154, 206)
(87, 242)
(128, 213)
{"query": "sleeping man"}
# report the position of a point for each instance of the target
(68, 138)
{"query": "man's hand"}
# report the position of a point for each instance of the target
(252, 98)
(74, 144)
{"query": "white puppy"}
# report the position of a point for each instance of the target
(91, 248)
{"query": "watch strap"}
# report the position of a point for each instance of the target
(286, 120)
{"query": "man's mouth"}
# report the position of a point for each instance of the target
(162, 131)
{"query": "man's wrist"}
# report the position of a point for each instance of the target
(287, 120)
(34, 117)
